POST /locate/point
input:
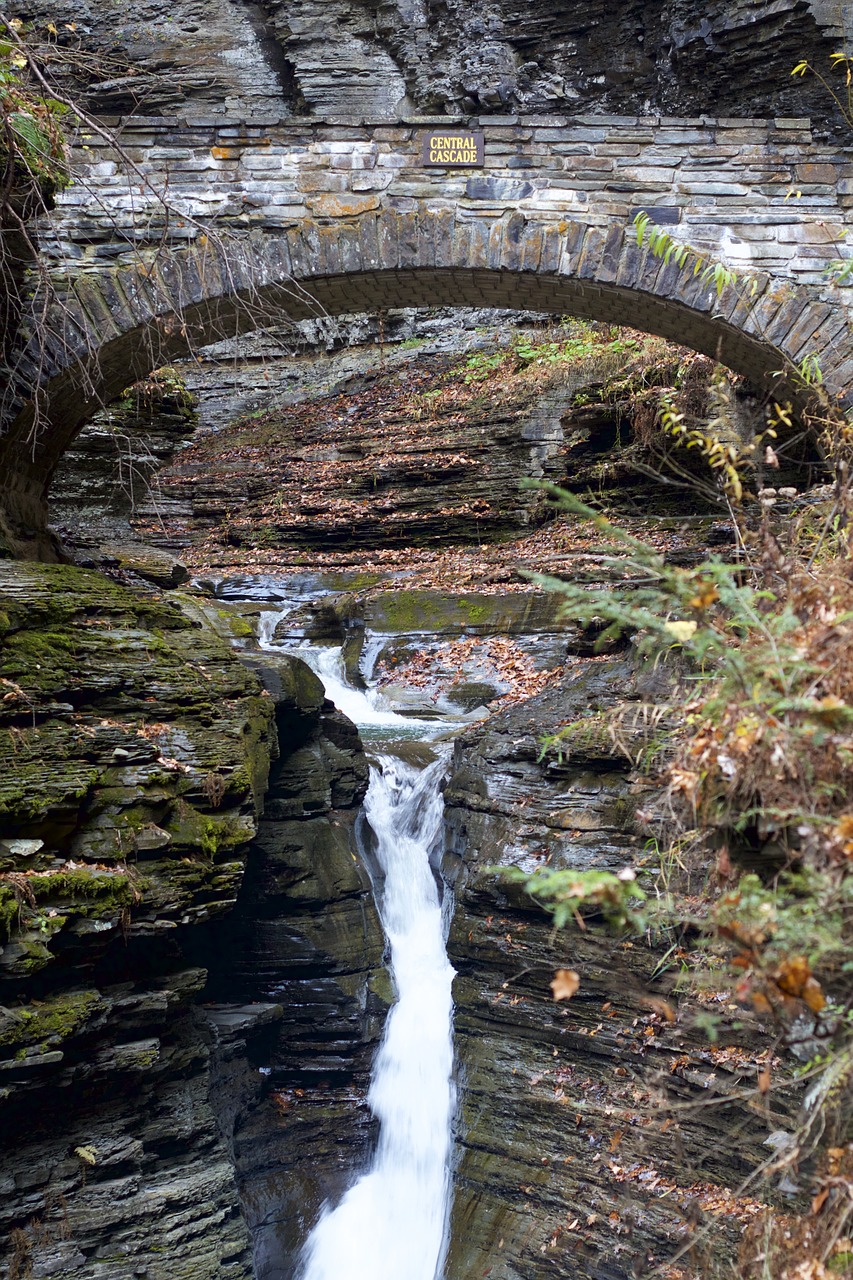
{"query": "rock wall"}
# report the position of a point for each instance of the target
(153, 1104)
(384, 57)
(606, 1135)
(305, 935)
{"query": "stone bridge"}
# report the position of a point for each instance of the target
(195, 230)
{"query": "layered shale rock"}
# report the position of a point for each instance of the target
(148, 1091)
(361, 58)
(597, 1134)
(135, 757)
(306, 936)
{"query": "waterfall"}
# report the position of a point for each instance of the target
(392, 1224)
(267, 623)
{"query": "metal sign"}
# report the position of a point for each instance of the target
(449, 148)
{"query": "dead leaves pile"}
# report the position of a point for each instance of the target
(475, 658)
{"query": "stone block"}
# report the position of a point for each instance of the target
(322, 181)
(590, 253)
(354, 160)
(712, 188)
(443, 226)
(387, 239)
(816, 172)
(497, 190)
(811, 233)
(619, 149)
(589, 164)
(744, 137)
(350, 248)
(390, 134)
(368, 238)
(263, 163)
(608, 264)
(341, 206)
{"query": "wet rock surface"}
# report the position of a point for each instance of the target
(152, 1107)
(595, 1134)
(305, 935)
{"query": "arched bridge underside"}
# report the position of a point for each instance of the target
(116, 325)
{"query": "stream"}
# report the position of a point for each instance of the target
(392, 1222)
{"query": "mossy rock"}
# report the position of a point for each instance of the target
(477, 613)
(131, 730)
(48, 1023)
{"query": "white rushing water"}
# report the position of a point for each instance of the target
(392, 1224)
(365, 707)
(267, 623)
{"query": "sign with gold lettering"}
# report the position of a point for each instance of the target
(453, 148)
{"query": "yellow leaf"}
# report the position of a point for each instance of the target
(87, 1154)
(565, 983)
(792, 975)
(706, 594)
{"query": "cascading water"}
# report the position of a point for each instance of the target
(392, 1224)
(267, 623)
(366, 708)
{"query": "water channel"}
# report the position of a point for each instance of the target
(393, 1220)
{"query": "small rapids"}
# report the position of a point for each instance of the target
(391, 1225)
(366, 708)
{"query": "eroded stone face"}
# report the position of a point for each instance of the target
(594, 1134)
(362, 58)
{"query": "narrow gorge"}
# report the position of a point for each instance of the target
(425, 593)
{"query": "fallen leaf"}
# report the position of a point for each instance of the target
(565, 983)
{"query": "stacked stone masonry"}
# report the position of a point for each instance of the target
(761, 194)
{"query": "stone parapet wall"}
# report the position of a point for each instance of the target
(759, 194)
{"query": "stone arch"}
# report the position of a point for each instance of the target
(118, 325)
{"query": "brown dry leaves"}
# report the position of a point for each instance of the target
(481, 658)
(565, 984)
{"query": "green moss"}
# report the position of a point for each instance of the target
(430, 611)
(52, 1022)
(9, 908)
(587, 737)
(380, 985)
(92, 893)
(211, 834)
(83, 882)
(237, 625)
